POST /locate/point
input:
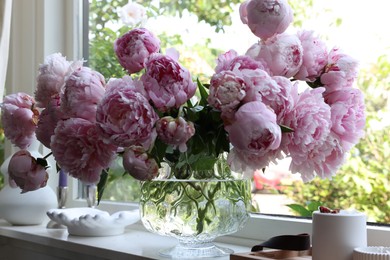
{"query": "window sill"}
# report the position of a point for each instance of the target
(37, 242)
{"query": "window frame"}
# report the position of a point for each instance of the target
(37, 21)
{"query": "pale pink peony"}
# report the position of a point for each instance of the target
(283, 103)
(315, 56)
(348, 115)
(126, 117)
(26, 172)
(79, 149)
(175, 131)
(247, 163)
(82, 92)
(114, 84)
(311, 121)
(266, 18)
(274, 92)
(134, 48)
(324, 161)
(51, 78)
(168, 84)
(340, 71)
(132, 14)
(226, 91)
(224, 60)
(19, 119)
(282, 54)
(139, 164)
(254, 129)
(48, 120)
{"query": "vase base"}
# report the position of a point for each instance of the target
(195, 251)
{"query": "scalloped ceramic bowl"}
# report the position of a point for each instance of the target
(93, 222)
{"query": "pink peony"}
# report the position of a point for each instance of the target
(132, 14)
(175, 132)
(266, 18)
(282, 54)
(83, 91)
(340, 72)
(283, 103)
(224, 60)
(19, 118)
(79, 149)
(348, 116)
(48, 120)
(27, 172)
(134, 48)
(254, 129)
(311, 121)
(168, 84)
(315, 56)
(247, 162)
(324, 161)
(52, 75)
(139, 165)
(126, 82)
(226, 91)
(126, 117)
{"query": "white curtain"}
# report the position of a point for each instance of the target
(5, 31)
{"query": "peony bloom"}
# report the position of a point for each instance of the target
(79, 149)
(224, 60)
(226, 91)
(282, 54)
(266, 18)
(168, 84)
(315, 56)
(83, 91)
(27, 172)
(134, 48)
(175, 132)
(19, 118)
(340, 72)
(139, 165)
(248, 163)
(52, 75)
(324, 161)
(348, 116)
(254, 129)
(311, 121)
(48, 120)
(125, 116)
(126, 82)
(132, 14)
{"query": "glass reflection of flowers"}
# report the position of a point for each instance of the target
(253, 108)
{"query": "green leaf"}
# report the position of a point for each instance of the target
(42, 162)
(203, 93)
(102, 184)
(286, 129)
(313, 205)
(301, 210)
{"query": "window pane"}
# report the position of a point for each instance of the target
(364, 180)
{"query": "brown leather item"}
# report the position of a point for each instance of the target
(299, 242)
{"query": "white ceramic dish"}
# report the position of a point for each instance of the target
(93, 222)
(371, 253)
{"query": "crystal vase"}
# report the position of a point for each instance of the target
(195, 212)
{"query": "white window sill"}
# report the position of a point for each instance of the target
(24, 242)
(37, 242)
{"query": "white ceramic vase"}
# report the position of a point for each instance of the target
(28, 208)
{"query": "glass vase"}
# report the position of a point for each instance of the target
(195, 212)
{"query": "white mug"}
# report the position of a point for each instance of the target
(334, 236)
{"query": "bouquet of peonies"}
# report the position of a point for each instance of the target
(255, 108)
